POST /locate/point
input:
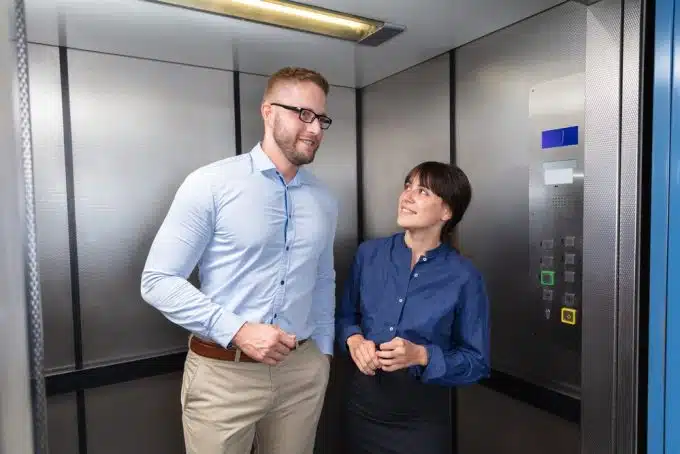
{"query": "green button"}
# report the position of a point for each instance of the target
(547, 278)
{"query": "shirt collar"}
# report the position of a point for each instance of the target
(262, 163)
(432, 253)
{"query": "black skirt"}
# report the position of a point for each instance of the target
(394, 413)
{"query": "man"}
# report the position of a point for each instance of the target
(261, 229)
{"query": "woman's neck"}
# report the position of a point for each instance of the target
(420, 242)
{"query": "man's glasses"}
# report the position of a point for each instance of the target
(307, 115)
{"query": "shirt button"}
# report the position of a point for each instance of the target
(424, 259)
(281, 282)
(391, 328)
(401, 300)
(415, 275)
(287, 248)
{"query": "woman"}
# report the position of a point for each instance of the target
(414, 319)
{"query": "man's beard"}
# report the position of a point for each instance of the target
(287, 144)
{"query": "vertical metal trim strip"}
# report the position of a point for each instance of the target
(35, 315)
(627, 346)
(600, 227)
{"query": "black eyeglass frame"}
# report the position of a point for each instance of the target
(302, 111)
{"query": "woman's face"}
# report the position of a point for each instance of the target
(420, 208)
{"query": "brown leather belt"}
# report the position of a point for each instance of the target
(215, 351)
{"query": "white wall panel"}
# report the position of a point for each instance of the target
(51, 210)
(139, 127)
(405, 120)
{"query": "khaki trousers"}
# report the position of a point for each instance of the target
(227, 406)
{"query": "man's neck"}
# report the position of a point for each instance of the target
(282, 164)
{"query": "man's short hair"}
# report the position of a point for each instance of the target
(295, 74)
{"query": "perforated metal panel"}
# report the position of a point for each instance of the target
(629, 300)
(600, 226)
(139, 128)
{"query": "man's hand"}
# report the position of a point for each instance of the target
(363, 354)
(267, 344)
(400, 353)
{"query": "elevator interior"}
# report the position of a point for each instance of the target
(538, 102)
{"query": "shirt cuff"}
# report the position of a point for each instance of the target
(347, 331)
(436, 366)
(325, 344)
(225, 328)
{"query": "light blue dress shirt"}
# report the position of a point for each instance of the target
(264, 250)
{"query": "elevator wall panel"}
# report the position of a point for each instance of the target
(495, 143)
(139, 127)
(62, 424)
(489, 422)
(51, 210)
(335, 164)
(139, 416)
(405, 120)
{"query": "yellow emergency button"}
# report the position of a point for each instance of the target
(568, 316)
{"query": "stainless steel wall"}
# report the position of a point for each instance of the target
(51, 206)
(139, 127)
(494, 79)
(405, 120)
(336, 165)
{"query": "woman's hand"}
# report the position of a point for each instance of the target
(400, 353)
(363, 354)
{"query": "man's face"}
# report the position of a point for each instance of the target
(297, 140)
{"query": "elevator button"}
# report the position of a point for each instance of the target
(547, 261)
(569, 241)
(569, 299)
(547, 278)
(568, 316)
(547, 294)
(569, 276)
(569, 259)
(547, 244)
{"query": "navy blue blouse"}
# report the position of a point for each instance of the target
(441, 304)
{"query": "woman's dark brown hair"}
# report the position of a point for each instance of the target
(451, 184)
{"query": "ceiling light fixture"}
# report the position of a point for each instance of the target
(296, 16)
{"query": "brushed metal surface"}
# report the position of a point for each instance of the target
(335, 164)
(62, 424)
(16, 422)
(405, 120)
(142, 416)
(495, 139)
(51, 211)
(492, 423)
(139, 127)
(627, 365)
(600, 227)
